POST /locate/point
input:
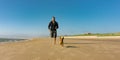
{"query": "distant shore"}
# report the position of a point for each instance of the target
(94, 37)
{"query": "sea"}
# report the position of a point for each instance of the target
(7, 40)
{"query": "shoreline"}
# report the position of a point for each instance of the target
(15, 41)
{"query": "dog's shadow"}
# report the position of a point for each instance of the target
(71, 47)
(76, 46)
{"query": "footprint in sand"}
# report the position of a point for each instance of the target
(72, 54)
(58, 59)
(38, 58)
(51, 53)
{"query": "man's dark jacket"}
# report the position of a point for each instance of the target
(53, 26)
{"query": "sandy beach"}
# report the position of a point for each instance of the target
(74, 49)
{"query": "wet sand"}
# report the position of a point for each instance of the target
(74, 49)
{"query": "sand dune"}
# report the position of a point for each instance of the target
(74, 49)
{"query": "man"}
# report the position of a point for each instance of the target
(53, 26)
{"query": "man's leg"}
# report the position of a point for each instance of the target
(52, 36)
(55, 35)
(54, 41)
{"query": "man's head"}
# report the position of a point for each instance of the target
(53, 19)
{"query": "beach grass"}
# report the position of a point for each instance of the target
(98, 34)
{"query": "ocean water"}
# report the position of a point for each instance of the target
(5, 40)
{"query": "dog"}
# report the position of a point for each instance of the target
(61, 41)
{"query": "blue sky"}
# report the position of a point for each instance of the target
(31, 17)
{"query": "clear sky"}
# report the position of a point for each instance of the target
(31, 17)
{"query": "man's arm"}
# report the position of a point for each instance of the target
(49, 25)
(57, 26)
